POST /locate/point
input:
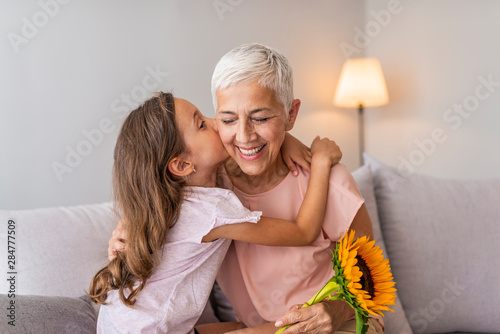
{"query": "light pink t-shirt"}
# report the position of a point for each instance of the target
(175, 295)
(262, 282)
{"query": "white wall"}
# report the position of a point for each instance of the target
(72, 75)
(433, 54)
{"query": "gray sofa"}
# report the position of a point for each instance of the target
(441, 237)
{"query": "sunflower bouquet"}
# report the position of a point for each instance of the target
(362, 278)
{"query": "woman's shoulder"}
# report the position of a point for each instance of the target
(338, 173)
(340, 178)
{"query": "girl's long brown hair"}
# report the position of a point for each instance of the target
(147, 195)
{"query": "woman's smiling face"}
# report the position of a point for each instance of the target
(252, 125)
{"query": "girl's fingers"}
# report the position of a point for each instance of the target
(291, 166)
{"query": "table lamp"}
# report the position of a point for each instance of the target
(361, 84)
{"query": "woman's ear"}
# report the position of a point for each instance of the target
(180, 167)
(292, 114)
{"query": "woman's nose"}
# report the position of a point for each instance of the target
(245, 132)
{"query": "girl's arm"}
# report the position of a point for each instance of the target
(292, 151)
(306, 228)
(295, 152)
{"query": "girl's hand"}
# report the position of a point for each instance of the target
(325, 317)
(325, 149)
(294, 152)
(117, 242)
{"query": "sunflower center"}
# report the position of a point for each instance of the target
(366, 280)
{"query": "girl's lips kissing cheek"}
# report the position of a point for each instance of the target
(251, 153)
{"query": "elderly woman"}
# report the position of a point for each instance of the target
(252, 90)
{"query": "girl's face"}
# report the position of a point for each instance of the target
(203, 145)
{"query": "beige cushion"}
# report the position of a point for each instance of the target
(58, 250)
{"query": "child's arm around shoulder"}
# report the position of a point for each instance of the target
(307, 226)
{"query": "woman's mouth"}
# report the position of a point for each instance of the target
(252, 152)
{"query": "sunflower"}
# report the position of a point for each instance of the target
(362, 278)
(368, 275)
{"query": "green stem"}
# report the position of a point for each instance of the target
(361, 323)
(327, 291)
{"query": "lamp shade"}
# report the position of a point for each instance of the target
(361, 82)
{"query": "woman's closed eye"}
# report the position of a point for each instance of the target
(257, 120)
(227, 121)
(261, 119)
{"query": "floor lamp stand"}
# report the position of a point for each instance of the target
(361, 134)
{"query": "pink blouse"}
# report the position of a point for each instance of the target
(263, 282)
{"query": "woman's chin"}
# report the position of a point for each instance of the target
(253, 167)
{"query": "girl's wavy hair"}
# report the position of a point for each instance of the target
(147, 195)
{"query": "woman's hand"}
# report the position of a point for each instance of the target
(322, 318)
(117, 241)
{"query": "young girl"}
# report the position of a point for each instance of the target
(178, 224)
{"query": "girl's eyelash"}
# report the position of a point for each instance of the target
(202, 125)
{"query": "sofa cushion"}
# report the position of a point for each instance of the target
(58, 250)
(442, 237)
(47, 315)
(396, 322)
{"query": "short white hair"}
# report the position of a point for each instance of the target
(258, 63)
